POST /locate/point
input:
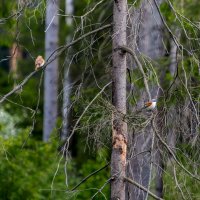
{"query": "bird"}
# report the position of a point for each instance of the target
(150, 105)
(39, 62)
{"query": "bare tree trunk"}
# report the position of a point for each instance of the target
(119, 125)
(149, 41)
(69, 9)
(51, 72)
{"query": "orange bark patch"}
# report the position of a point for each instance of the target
(120, 144)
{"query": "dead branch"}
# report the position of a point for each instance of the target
(18, 87)
(90, 175)
(100, 190)
(177, 184)
(142, 188)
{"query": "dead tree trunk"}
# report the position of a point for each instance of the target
(69, 9)
(146, 31)
(119, 125)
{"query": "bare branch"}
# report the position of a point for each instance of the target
(142, 188)
(177, 184)
(18, 87)
(164, 22)
(100, 190)
(90, 175)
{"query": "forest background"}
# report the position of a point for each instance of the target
(69, 157)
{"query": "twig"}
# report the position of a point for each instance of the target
(177, 184)
(90, 11)
(34, 113)
(176, 12)
(50, 23)
(87, 177)
(100, 190)
(180, 46)
(3, 20)
(25, 107)
(164, 22)
(131, 157)
(18, 87)
(142, 188)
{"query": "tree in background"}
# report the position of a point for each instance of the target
(67, 86)
(51, 72)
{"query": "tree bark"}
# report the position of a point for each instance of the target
(119, 125)
(51, 71)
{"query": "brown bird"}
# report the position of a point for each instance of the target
(39, 62)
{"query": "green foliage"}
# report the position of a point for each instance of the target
(178, 183)
(8, 124)
(188, 185)
(27, 173)
(7, 11)
(15, 107)
(95, 182)
(166, 12)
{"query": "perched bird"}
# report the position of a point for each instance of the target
(150, 105)
(39, 62)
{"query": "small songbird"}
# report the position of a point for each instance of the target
(150, 105)
(39, 62)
